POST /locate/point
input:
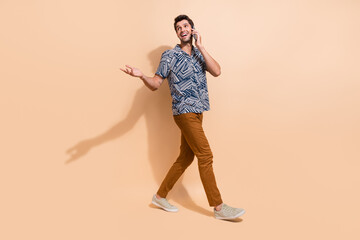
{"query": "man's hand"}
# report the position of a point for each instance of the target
(132, 71)
(151, 82)
(212, 66)
(198, 42)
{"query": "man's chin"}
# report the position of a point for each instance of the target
(186, 41)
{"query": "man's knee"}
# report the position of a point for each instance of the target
(185, 160)
(205, 159)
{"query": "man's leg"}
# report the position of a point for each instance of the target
(184, 159)
(191, 127)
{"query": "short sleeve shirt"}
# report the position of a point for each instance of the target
(187, 80)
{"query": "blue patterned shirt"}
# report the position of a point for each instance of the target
(187, 80)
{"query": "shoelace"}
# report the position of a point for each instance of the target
(165, 203)
(228, 209)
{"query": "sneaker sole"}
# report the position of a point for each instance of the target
(166, 209)
(236, 216)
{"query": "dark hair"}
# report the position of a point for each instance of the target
(182, 17)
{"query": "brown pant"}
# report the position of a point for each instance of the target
(193, 142)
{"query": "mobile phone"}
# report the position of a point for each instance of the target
(194, 35)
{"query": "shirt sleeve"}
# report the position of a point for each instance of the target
(163, 69)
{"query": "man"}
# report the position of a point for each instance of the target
(185, 68)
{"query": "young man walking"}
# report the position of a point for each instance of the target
(185, 68)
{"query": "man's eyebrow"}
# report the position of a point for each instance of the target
(184, 24)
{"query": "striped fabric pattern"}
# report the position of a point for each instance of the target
(187, 80)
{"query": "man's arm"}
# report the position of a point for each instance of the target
(153, 83)
(212, 66)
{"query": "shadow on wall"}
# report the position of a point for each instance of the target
(163, 134)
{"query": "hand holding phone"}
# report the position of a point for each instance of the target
(194, 35)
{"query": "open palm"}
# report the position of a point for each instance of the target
(135, 72)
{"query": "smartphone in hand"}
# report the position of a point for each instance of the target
(194, 35)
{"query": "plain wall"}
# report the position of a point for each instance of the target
(283, 126)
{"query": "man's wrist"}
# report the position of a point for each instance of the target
(201, 48)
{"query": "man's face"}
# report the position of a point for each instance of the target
(183, 31)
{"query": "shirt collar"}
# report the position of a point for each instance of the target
(194, 50)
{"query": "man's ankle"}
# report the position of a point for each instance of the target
(218, 207)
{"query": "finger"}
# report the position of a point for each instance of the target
(129, 66)
(125, 71)
(198, 36)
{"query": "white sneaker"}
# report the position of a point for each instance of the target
(164, 204)
(228, 212)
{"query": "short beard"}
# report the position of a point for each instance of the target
(185, 42)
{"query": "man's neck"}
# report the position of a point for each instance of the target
(186, 47)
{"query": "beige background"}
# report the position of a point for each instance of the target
(284, 124)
